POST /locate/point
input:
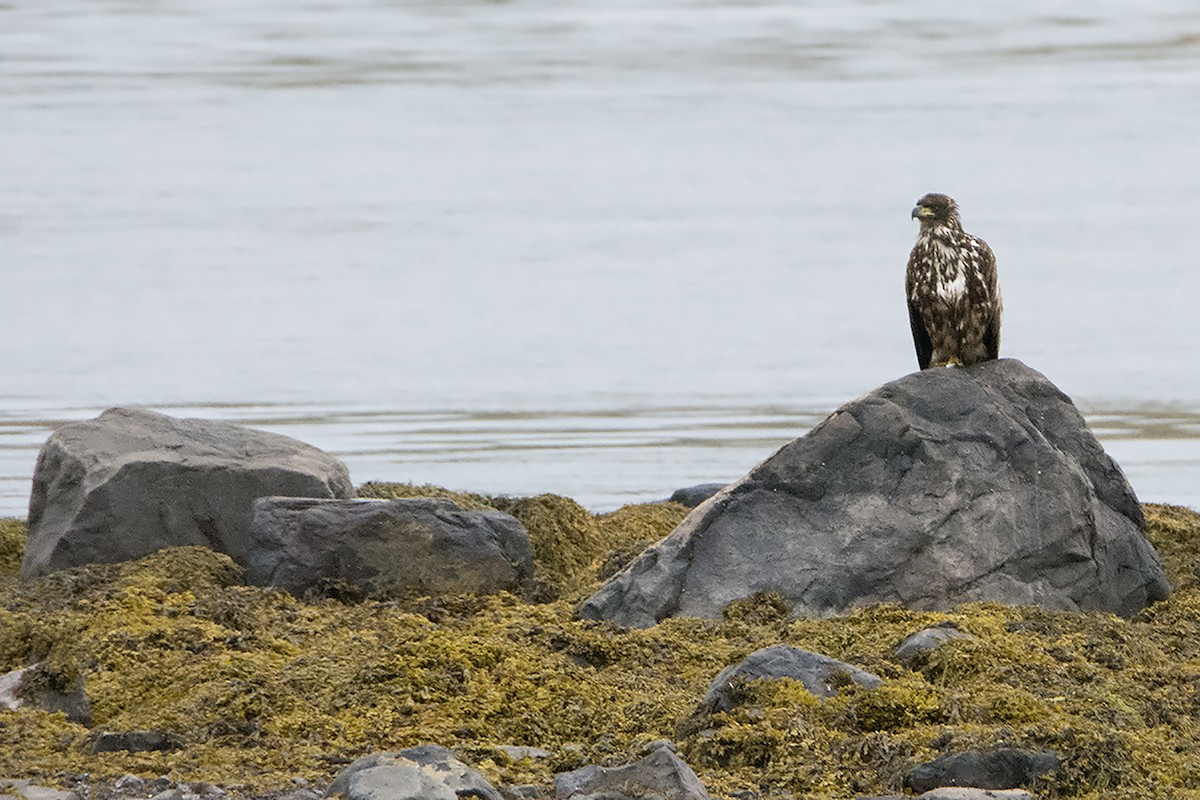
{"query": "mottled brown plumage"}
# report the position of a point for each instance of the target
(954, 302)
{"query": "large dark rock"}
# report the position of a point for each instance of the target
(131, 482)
(404, 547)
(821, 675)
(425, 772)
(661, 775)
(945, 486)
(1006, 768)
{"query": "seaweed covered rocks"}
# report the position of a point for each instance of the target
(943, 487)
(393, 548)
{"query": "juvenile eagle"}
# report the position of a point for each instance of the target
(953, 300)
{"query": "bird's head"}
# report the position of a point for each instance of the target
(936, 209)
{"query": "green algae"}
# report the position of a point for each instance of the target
(260, 687)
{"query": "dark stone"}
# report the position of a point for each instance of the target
(425, 772)
(131, 482)
(971, 793)
(692, 496)
(135, 742)
(820, 675)
(942, 487)
(1006, 768)
(405, 547)
(926, 641)
(31, 686)
(661, 775)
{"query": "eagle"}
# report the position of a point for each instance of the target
(953, 300)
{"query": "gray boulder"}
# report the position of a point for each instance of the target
(425, 772)
(1005, 768)
(404, 547)
(926, 641)
(820, 674)
(942, 487)
(662, 775)
(26, 687)
(131, 482)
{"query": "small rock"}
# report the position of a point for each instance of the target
(692, 496)
(527, 792)
(1005, 768)
(129, 784)
(425, 772)
(971, 793)
(818, 673)
(136, 742)
(27, 790)
(926, 641)
(520, 753)
(660, 775)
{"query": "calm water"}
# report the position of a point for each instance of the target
(599, 248)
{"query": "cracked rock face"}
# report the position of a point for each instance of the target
(942, 487)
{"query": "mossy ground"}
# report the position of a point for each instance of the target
(263, 687)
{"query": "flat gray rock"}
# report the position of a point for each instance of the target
(662, 775)
(820, 674)
(15, 693)
(972, 793)
(132, 481)
(28, 790)
(386, 548)
(1004, 768)
(942, 487)
(425, 772)
(926, 641)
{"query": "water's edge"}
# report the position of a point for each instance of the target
(602, 458)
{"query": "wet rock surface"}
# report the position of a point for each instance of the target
(132, 481)
(385, 547)
(942, 487)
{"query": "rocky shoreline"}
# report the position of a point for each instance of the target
(524, 691)
(946, 590)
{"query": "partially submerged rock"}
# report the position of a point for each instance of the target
(945, 486)
(820, 675)
(425, 772)
(132, 481)
(662, 774)
(385, 547)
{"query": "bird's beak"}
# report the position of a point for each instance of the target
(920, 212)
